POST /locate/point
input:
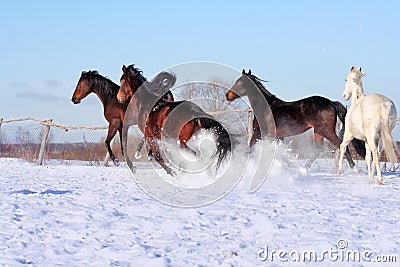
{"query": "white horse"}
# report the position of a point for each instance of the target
(370, 118)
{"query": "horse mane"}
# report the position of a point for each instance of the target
(101, 85)
(156, 86)
(137, 73)
(259, 83)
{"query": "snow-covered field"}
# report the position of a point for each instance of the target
(76, 215)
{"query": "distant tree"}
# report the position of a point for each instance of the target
(211, 97)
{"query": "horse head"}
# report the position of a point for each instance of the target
(239, 87)
(84, 87)
(353, 87)
(245, 85)
(131, 80)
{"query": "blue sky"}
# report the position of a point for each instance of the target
(302, 47)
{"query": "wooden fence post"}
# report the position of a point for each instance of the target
(249, 125)
(1, 137)
(107, 157)
(1, 120)
(43, 144)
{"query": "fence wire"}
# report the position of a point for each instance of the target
(23, 139)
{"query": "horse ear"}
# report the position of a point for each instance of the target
(359, 69)
(352, 68)
(249, 71)
(243, 71)
(123, 68)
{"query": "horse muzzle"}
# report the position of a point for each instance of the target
(346, 96)
(230, 96)
(76, 100)
(121, 98)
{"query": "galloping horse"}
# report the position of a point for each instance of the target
(106, 90)
(293, 118)
(370, 118)
(162, 84)
(114, 111)
(158, 118)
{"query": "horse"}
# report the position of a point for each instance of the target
(114, 111)
(370, 118)
(158, 118)
(162, 84)
(293, 118)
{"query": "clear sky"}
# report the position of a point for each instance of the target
(302, 47)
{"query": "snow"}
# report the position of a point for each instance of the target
(76, 215)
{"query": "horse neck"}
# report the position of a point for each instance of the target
(254, 98)
(105, 90)
(357, 96)
(145, 102)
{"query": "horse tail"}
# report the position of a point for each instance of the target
(341, 111)
(223, 141)
(388, 123)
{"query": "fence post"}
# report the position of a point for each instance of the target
(43, 144)
(249, 125)
(1, 137)
(107, 157)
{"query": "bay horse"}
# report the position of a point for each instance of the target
(158, 118)
(370, 118)
(293, 118)
(114, 111)
(162, 84)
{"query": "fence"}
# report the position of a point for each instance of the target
(36, 139)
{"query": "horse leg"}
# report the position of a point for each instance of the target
(112, 130)
(318, 149)
(138, 155)
(347, 137)
(185, 134)
(376, 164)
(123, 132)
(158, 157)
(256, 134)
(335, 140)
(368, 158)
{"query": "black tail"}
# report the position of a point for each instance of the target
(223, 141)
(358, 145)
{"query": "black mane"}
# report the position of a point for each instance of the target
(156, 86)
(137, 73)
(101, 85)
(259, 83)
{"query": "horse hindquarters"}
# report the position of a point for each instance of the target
(388, 124)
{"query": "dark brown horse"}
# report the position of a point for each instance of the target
(158, 118)
(293, 118)
(114, 111)
(161, 84)
(106, 90)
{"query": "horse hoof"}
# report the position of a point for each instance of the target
(133, 169)
(138, 155)
(150, 157)
(379, 182)
(171, 172)
(340, 171)
(116, 162)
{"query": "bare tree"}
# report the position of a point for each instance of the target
(211, 97)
